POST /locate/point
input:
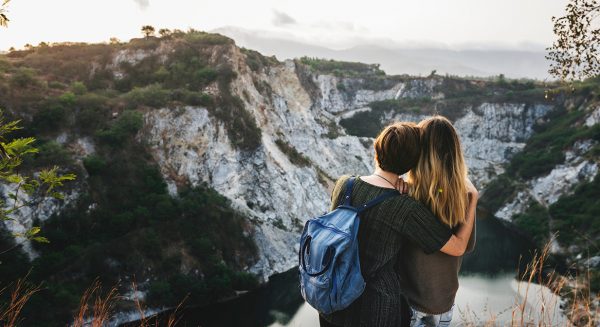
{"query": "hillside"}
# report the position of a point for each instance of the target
(198, 161)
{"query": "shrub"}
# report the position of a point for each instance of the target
(293, 155)
(67, 99)
(50, 117)
(52, 153)
(24, 78)
(94, 164)
(152, 95)
(342, 68)
(78, 88)
(535, 221)
(241, 127)
(497, 192)
(127, 125)
(575, 216)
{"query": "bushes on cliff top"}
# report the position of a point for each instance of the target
(342, 68)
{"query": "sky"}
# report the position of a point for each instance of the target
(454, 24)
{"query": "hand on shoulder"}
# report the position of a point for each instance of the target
(471, 190)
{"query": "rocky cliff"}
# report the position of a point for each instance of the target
(272, 137)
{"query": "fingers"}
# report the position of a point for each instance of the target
(402, 186)
(399, 184)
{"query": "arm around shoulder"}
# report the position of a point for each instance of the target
(457, 244)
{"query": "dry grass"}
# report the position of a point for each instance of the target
(20, 294)
(571, 294)
(94, 308)
(568, 301)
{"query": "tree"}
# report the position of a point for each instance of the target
(114, 40)
(24, 191)
(3, 18)
(574, 55)
(148, 30)
(164, 32)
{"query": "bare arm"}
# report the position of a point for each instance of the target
(457, 244)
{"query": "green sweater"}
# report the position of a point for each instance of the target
(382, 236)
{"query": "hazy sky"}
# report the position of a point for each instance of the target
(337, 24)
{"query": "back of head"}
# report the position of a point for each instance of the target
(397, 147)
(439, 178)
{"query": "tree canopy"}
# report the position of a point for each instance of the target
(148, 30)
(3, 18)
(574, 55)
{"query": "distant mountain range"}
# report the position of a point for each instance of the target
(513, 63)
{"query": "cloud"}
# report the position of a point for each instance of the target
(143, 4)
(282, 19)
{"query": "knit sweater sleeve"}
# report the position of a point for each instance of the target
(425, 229)
(338, 191)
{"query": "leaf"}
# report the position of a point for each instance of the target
(57, 195)
(33, 231)
(14, 178)
(41, 239)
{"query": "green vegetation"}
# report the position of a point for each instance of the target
(575, 217)
(369, 123)
(241, 126)
(367, 76)
(546, 148)
(127, 125)
(193, 242)
(295, 157)
(127, 207)
(497, 192)
(256, 61)
(342, 68)
(535, 222)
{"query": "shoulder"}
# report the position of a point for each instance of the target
(417, 207)
(341, 183)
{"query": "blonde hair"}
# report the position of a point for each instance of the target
(439, 178)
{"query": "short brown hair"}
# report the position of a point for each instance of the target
(397, 147)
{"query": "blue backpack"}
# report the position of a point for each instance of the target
(330, 277)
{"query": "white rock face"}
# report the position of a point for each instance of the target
(334, 100)
(593, 118)
(492, 133)
(561, 180)
(518, 204)
(21, 220)
(191, 146)
(546, 190)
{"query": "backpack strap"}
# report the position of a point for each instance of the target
(348, 191)
(377, 200)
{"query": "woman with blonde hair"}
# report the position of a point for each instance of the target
(439, 181)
